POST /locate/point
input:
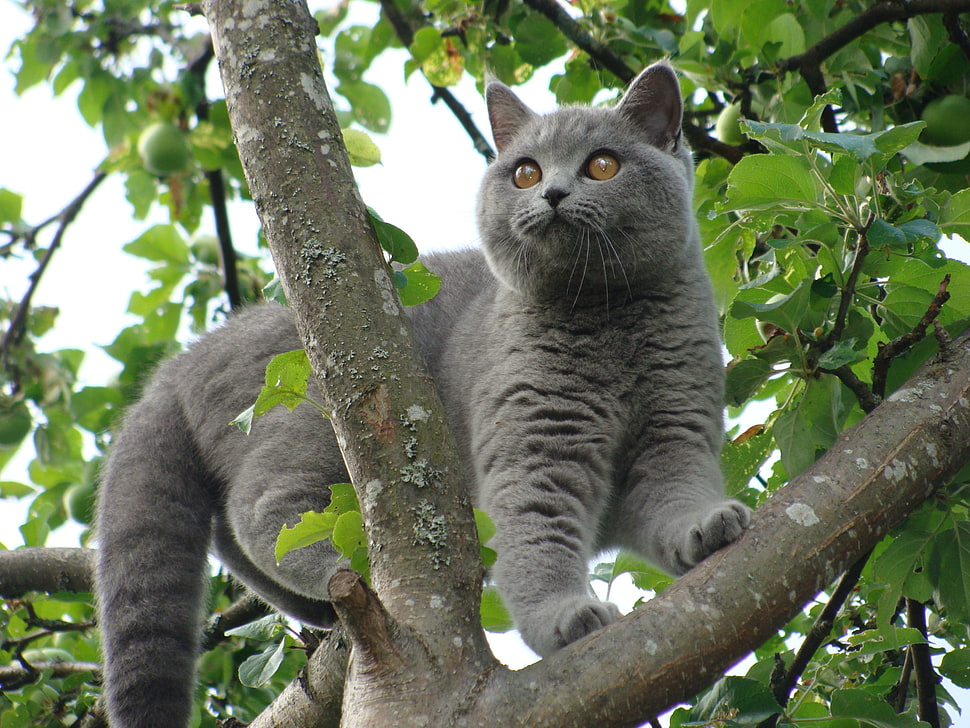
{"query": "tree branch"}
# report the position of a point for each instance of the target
(601, 54)
(903, 343)
(13, 677)
(926, 678)
(217, 188)
(817, 635)
(45, 570)
(956, 33)
(65, 217)
(822, 520)
(402, 28)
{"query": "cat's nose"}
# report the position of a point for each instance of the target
(555, 195)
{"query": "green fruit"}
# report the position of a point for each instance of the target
(728, 128)
(79, 501)
(164, 149)
(205, 249)
(947, 121)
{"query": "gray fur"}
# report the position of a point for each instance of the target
(579, 364)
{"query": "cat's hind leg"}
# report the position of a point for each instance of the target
(272, 488)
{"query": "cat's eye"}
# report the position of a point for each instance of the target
(527, 174)
(602, 166)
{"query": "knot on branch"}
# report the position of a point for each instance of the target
(372, 631)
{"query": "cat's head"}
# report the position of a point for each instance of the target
(586, 202)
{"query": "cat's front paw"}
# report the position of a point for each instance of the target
(564, 620)
(709, 530)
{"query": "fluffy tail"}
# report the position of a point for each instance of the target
(154, 523)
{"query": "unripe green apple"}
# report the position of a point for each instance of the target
(727, 128)
(206, 250)
(164, 149)
(80, 500)
(947, 121)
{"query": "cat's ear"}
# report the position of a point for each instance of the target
(506, 112)
(653, 103)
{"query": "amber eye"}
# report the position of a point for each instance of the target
(527, 174)
(602, 166)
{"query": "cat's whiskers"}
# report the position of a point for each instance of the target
(605, 236)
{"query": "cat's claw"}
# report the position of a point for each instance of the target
(566, 620)
(715, 528)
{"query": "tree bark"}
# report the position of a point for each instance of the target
(45, 570)
(424, 554)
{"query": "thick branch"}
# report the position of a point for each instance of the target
(823, 520)
(315, 697)
(45, 570)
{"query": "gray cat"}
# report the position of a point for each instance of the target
(578, 360)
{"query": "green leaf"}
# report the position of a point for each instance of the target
(769, 181)
(952, 549)
(956, 667)
(361, 148)
(900, 563)
(538, 41)
(369, 105)
(812, 426)
(784, 311)
(842, 352)
(311, 528)
(161, 243)
(258, 669)
(744, 378)
(869, 709)
(734, 701)
(742, 458)
(395, 242)
(882, 234)
(15, 424)
(12, 489)
(11, 206)
(264, 628)
(902, 309)
(287, 375)
(495, 617)
(348, 533)
(955, 216)
(422, 285)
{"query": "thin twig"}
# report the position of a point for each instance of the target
(903, 343)
(956, 33)
(601, 54)
(926, 677)
(816, 637)
(863, 392)
(848, 290)
(217, 189)
(402, 28)
(243, 611)
(18, 323)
